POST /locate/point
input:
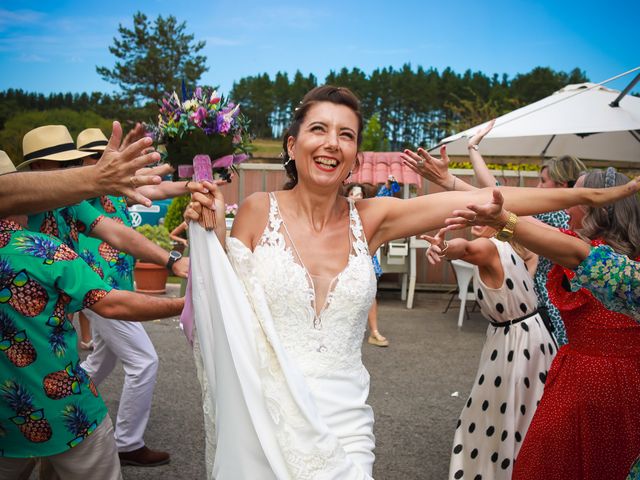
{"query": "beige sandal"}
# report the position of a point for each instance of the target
(376, 339)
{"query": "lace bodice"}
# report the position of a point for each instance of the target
(320, 343)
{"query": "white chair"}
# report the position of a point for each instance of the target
(464, 274)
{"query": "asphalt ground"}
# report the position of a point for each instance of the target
(413, 391)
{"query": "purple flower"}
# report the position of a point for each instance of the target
(199, 116)
(198, 92)
(223, 123)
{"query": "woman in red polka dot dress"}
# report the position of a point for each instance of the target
(588, 423)
(516, 356)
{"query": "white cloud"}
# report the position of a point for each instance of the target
(18, 18)
(222, 42)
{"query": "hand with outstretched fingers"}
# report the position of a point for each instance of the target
(491, 214)
(117, 170)
(436, 246)
(427, 166)
(480, 134)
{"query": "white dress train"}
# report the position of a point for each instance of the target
(289, 385)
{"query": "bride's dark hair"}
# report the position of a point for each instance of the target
(324, 93)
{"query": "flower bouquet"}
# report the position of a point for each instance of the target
(204, 124)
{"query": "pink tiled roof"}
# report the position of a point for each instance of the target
(377, 166)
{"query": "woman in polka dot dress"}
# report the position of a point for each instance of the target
(587, 426)
(514, 362)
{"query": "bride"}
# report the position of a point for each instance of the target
(280, 319)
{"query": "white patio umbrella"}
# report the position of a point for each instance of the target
(576, 120)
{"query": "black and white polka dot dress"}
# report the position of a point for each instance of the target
(510, 379)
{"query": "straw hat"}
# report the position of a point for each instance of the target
(6, 165)
(51, 142)
(92, 140)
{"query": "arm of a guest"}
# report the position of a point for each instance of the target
(128, 240)
(558, 247)
(125, 305)
(484, 177)
(389, 218)
(162, 191)
(480, 252)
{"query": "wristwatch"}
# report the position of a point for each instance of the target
(174, 256)
(506, 233)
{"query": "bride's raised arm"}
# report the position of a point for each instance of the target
(394, 218)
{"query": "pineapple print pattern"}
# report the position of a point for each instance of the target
(30, 420)
(60, 326)
(93, 296)
(5, 235)
(45, 248)
(25, 295)
(109, 253)
(5, 238)
(15, 344)
(39, 366)
(107, 204)
(71, 238)
(49, 225)
(78, 423)
(63, 383)
(90, 259)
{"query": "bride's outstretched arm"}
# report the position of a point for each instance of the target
(391, 218)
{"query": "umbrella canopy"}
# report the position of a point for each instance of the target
(576, 120)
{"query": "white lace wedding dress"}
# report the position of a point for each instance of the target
(287, 379)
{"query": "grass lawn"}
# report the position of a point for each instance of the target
(266, 148)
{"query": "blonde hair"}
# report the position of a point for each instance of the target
(565, 169)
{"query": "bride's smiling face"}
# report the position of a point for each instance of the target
(327, 144)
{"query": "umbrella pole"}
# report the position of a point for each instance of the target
(616, 102)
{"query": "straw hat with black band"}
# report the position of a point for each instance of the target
(92, 140)
(6, 165)
(51, 142)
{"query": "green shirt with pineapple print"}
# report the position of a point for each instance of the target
(48, 403)
(66, 223)
(114, 266)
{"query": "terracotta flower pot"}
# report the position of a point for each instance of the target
(150, 278)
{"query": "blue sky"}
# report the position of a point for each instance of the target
(54, 46)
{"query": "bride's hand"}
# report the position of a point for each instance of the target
(204, 195)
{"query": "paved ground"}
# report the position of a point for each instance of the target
(412, 382)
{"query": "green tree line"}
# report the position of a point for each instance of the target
(414, 106)
(410, 106)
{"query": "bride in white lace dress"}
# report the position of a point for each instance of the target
(281, 318)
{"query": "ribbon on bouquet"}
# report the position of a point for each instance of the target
(186, 170)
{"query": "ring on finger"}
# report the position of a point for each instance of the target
(420, 162)
(132, 181)
(473, 220)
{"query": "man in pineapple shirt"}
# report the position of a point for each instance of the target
(116, 340)
(49, 406)
(47, 148)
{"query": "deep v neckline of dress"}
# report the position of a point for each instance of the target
(297, 260)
